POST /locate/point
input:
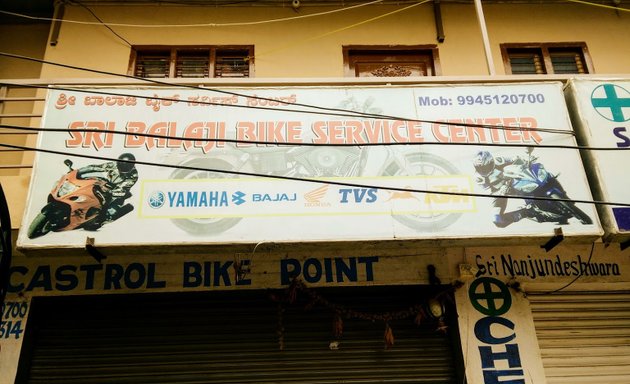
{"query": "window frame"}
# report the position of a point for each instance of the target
(174, 49)
(544, 49)
(430, 50)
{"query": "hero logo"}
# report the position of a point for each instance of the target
(358, 195)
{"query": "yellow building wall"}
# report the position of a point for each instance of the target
(604, 31)
(311, 47)
(27, 40)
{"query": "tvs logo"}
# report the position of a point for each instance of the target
(611, 102)
(358, 195)
(157, 199)
(238, 198)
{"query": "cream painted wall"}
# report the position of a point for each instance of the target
(27, 40)
(22, 39)
(605, 31)
(311, 47)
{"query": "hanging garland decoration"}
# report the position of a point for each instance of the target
(419, 312)
(280, 326)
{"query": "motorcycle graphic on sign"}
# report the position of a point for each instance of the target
(526, 177)
(317, 162)
(87, 198)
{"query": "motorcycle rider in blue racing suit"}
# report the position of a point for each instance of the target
(490, 176)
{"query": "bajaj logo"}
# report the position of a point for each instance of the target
(238, 197)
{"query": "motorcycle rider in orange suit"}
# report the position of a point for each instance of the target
(122, 175)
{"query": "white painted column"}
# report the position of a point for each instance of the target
(484, 36)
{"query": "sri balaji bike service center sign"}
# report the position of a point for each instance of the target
(252, 166)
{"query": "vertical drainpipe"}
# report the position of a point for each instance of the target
(56, 24)
(484, 36)
(439, 27)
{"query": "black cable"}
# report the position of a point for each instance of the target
(345, 111)
(352, 114)
(302, 179)
(576, 277)
(90, 91)
(103, 23)
(6, 247)
(306, 144)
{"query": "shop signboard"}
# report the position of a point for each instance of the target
(305, 164)
(497, 331)
(602, 117)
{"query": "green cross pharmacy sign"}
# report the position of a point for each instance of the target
(612, 102)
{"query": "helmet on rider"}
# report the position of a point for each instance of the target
(484, 163)
(126, 163)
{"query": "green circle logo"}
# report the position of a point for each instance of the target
(490, 296)
(611, 102)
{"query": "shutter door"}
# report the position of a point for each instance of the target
(229, 337)
(584, 337)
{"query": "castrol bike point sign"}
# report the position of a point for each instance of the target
(251, 165)
(602, 115)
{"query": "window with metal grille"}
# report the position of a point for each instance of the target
(567, 61)
(192, 62)
(395, 61)
(152, 64)
(523, 62)
(232, 63)
(550, 58)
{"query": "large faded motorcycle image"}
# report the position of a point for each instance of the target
(316, 162)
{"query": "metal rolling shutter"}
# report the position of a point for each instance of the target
(227, 337)
(584, 337)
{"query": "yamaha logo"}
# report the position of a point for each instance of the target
(156, 199)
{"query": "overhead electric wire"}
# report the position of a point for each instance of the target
(312, 38)
(103, 23)
(235, 24)
(309, 180)
(599, 5)
(588, 262)
(328, 110)
(308, 144)
(246, 23)
(163, 83)
(170, 99)
(349, 114)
